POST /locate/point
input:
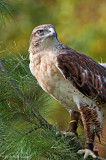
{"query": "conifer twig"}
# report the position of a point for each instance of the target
(42, 121)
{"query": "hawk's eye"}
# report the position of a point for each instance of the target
(40, 32)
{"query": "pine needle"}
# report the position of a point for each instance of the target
(24, 133)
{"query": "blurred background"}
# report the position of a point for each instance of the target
(80, 25)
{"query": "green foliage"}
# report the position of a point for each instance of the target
(39, 144)
(21, 134)
(80, 24)
(7, 8)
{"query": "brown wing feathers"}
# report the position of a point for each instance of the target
(88, 76)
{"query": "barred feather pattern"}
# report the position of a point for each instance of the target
(92, 125)
(74, 79)
(88, 76)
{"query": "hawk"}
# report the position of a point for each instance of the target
(72, 78)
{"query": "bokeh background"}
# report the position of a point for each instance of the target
(79, 24)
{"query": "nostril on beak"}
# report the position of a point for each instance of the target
(51, 30)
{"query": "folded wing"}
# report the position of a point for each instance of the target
(88, 76)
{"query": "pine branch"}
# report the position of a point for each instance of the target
(43, 142)
(42, 121)
(5, 11)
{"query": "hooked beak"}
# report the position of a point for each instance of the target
(52, 32)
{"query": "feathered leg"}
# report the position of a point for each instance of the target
(74, 117)
(72, 130)
(91, 118)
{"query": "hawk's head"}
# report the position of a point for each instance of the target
(42, 36)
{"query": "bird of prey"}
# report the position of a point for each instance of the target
(72, 78)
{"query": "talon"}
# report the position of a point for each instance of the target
(66, 134)
(86, 153)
